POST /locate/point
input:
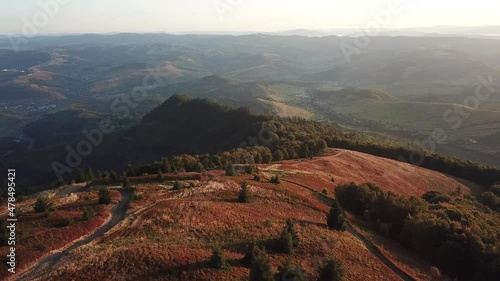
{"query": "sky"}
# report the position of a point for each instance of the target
(104, 16)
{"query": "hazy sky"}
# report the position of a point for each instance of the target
(99, 16)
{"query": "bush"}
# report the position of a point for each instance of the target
(261, 267)
(244, 196)
(490, 199)
(159, 175)
(256, 177)
(435, 197)
(331, 271)
(275, 179)
(251, 169)
(65, 221)
(336, 217)
(42, 204)
(104, 196)
(218, 260)
(177, 185)
(88, 214)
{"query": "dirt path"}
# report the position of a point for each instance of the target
(368, 244)
(117, 215)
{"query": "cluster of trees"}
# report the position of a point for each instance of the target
(285, 138)
(261, 270)
(491, 198)
(87, 175)
(454, 231)
(260, 266)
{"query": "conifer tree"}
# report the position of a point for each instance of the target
(331, 271)
(244, 196)
(261, 267)
(336, 217)
(218, 260)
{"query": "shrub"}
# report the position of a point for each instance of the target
(42, 204)
(177, 185)
(336, 217)
(88, 214)
(159, 175)
(261, 267)
(251, 169)
(490, 199)
(104, 196)
(218, 260)
(436, 197)
(256, 177)
(65, 221)
(244, 196)
(324, 191)
(331, 271)
(275, 179)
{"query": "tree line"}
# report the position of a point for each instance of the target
(454, 231)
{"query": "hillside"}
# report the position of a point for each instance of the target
(178, 126)
(168, 234)
(260, 97)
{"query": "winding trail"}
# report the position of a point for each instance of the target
(368, 244)
(117, 215)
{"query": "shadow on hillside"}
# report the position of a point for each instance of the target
(320, 225)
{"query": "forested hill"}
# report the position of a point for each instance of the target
(186, 125)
